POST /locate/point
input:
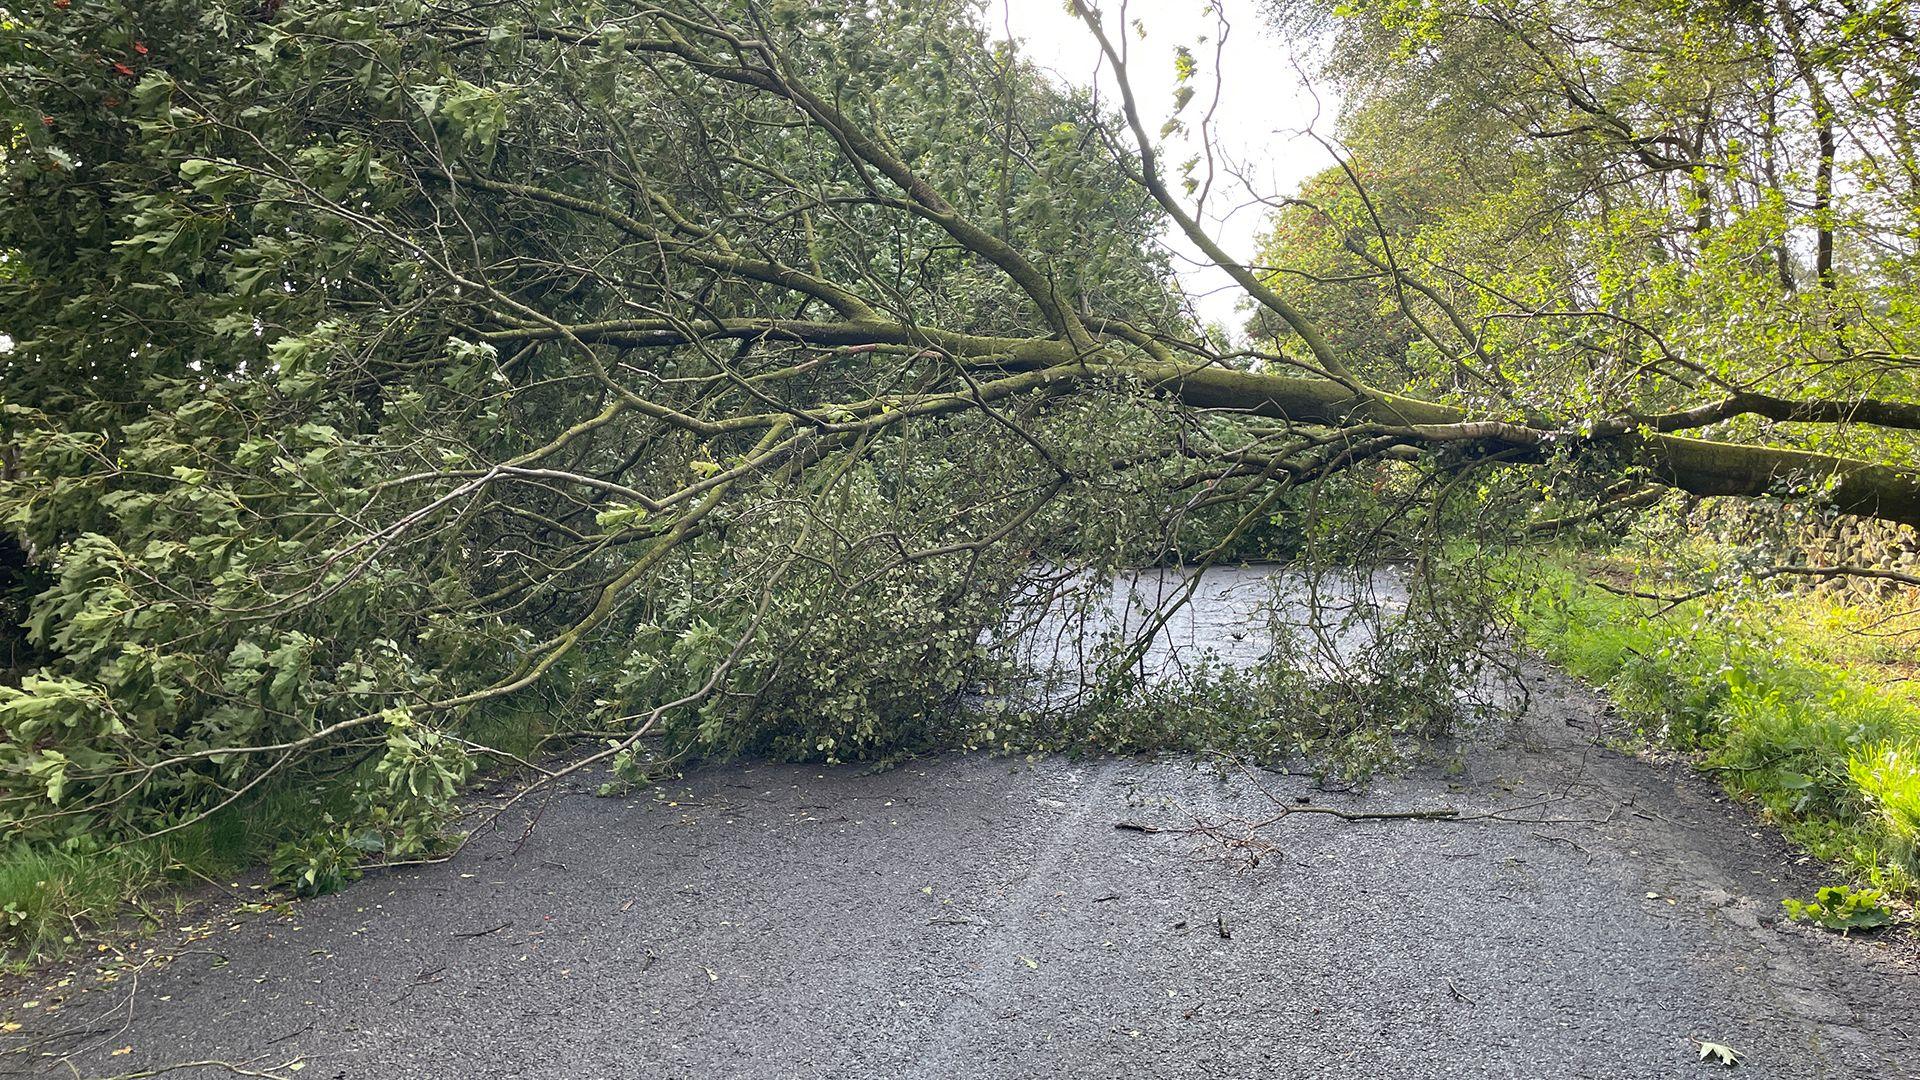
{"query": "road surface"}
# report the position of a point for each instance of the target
(971, 916)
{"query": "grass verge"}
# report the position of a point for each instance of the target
(1777, 695)
(55, 896)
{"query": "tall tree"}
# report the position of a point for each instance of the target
(1597, 210)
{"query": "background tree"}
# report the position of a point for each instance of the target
(1596, 210)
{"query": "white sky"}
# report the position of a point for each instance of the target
(1258, 127)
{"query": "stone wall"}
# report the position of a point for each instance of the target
(1836, 541)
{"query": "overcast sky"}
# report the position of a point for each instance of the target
(1264, 107)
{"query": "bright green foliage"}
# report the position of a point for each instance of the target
(1837, 907)
(1828, 755)
(53, 893)
(1889, 774)
(1579, 210)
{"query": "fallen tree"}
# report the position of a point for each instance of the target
(716, 373)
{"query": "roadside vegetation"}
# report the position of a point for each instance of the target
(1803, 702)
(56, 897)
(305, 838)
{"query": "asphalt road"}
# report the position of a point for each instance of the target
(980, 917)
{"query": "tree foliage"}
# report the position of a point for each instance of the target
(1598, 209)
(718, 372)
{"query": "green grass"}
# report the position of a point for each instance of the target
(48, 895)
(1890, 776)
(53, 897)
(1761, 690)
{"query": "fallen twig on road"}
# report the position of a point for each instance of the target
(231, 1067)
(483, 933)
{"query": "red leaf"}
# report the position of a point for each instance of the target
(123, 69)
